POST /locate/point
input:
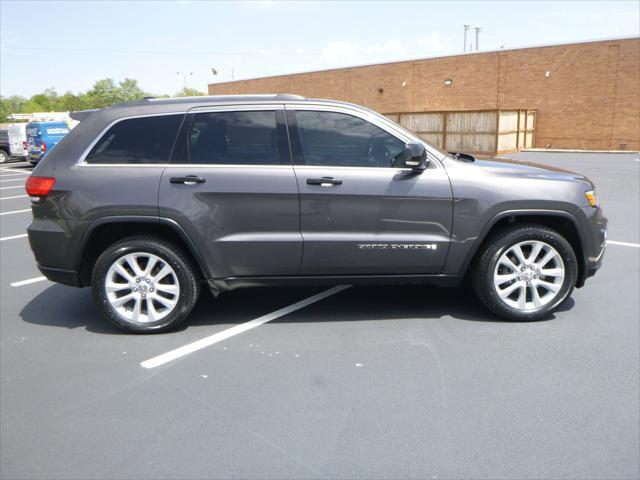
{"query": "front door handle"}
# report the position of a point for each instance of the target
(324, 181)
(188, 180)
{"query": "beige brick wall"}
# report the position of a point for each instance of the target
(591, 99)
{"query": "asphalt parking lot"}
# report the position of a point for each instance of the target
(368, 382)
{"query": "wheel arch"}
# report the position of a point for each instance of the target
(563, 222)
(107, 230)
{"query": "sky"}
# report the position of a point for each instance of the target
(70, 45)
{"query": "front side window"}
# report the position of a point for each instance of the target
(234, 138)
(137, 140)
(341, 140)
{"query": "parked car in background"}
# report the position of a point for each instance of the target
(5, 150)
(150, 201)
(18, 140)
(42, 137)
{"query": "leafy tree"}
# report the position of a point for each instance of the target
(103, 93)
(12, 104)
(189, 92)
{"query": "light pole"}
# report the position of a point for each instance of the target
(184, 77)
(466, 30)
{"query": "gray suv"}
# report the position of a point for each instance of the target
(147, 202)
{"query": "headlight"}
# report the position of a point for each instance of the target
(591, 198)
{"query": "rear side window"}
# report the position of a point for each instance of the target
(341, 140)
(137, 140)
(234, 138)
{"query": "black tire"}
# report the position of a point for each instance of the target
(4, 156)
(501, 241)
(185, 273)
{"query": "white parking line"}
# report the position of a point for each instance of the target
(230, 332)
(7, 175)
(24, 235)
(11, 198)
(27, 282)
(623, 244)
(9, 188)
(15, 211)
(13, 170)
(12, 180)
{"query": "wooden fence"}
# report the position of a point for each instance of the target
(486, 132)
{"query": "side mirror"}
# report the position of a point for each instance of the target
(414, 157)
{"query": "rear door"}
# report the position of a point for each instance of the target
(361, 212)
(231, 186)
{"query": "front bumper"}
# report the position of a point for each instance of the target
(596, 233)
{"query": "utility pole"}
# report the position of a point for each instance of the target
(184, 77)
(466, 30)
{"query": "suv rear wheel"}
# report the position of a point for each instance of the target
(525, 272)
(4, 156)
(144, 285)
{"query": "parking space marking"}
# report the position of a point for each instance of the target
(230, 332)
(7, 175)
(28, 281)
(9, 188)
(24, 235)
(15, 211)
(623, 244)
(11, 180)
(11, 198)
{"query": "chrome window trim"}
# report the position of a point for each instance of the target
(82, 160)
(329, 167)
(379, 121)
(195, 110)
(245, 107)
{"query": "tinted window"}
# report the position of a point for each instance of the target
(234, 138)
(137, 140)
(337, 139)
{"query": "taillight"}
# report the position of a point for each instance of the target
(39, 186)
(43, 147)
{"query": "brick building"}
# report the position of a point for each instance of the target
(586, 95)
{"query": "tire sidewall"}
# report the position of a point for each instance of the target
(183, 275)
(547, 236)
(4, 157)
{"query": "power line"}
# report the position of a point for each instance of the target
(164, 52)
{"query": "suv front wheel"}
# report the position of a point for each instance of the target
(144, 285)
(525, 272)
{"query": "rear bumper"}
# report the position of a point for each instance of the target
(55, 246)
(66, 277)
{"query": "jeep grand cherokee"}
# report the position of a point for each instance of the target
(147, 202)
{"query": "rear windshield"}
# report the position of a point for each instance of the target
(137, 140)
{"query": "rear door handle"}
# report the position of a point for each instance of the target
(188, 180)
(324, 181)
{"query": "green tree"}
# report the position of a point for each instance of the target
(10, 105)
(102, 94)
(189, 92)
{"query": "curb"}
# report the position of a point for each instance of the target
(562, 150)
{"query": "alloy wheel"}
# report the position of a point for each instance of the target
(529, 275)
(142, 287)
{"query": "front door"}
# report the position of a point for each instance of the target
(232, 187)
(361, 212)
